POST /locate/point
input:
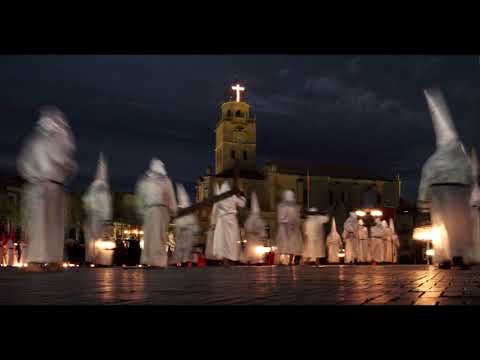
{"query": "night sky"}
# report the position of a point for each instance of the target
(354, 110)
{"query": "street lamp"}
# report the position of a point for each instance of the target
(425, 233)
(370, 209)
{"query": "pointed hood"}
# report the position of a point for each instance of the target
(445, 132)
(289, 195)
(157, 167)
(216, 189)
(334, 227)
(225, 187)
(254, 206)
(182, 196)
(449, 164)
(102, 170)
(391, 225)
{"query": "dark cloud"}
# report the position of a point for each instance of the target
(366, 110)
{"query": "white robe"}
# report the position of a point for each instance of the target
(156, 198)
(334, 242)
(388, 246)
(289, 238)
(209, 255)
(377, 243)
(364, 245)
(46, 163)
(350, 236)
(255, 234)
(98, 207)
(186, 230)
(226, 238)
(314, 246)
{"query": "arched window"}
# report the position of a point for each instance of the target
(233, 154)
(229, 113)
(238, 113)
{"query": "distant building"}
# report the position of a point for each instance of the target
(336, 189)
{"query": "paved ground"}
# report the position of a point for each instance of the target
(324, 285)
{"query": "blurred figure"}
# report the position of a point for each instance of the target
(475, 208)
(3, 247)
(314, 239)
(97, 202)
(395, 241)
(445, 189)
(364, 244)
(209, 255)
(46, 163)
(186, 230)
(156, 200)
(289, 237)
(388, 243)
(10, 246)
(334, 244)
(255, 232)
(377, 241)
(226, 238)
(350, 237)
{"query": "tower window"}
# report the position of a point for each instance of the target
(244, 155)
(229, 113)
(238, 113)
(233, 154)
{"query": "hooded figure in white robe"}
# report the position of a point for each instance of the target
(388, 243)
(186, 230)
(156, 201)
(97, 202)
(289, 237)
(226, 238)
(475, 208)
(255, 232)
(445, 188)
(378, 241)
(350, 237)
(334, 244)
(395, 241)
(213, 220)
(314, 236)
(364, 244)
(46, 163)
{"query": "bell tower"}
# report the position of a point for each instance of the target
(235, 135)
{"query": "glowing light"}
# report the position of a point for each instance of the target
(123, 265)
(141, 232)
(135, 232)
(71, 265)
(105, 245)
(92, 265)
(77, 265)
(126, 232)
(25, 265)
(141, 244)
(423, 233)
(260, 250)
(15, 244)
(341, 253)
(65, 265)
(238, 88)
(244, 241)
(430, 252)
(360, 213)
(274, 248)
(139, 265)
(376, 213)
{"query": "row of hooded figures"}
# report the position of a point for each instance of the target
(46, 162)
(292, 243)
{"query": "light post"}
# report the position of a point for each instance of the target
(425, 233)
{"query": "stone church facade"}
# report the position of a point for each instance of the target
(333, 189)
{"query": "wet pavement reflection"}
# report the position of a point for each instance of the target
(244, 285)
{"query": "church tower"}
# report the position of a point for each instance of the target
(235, 136)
